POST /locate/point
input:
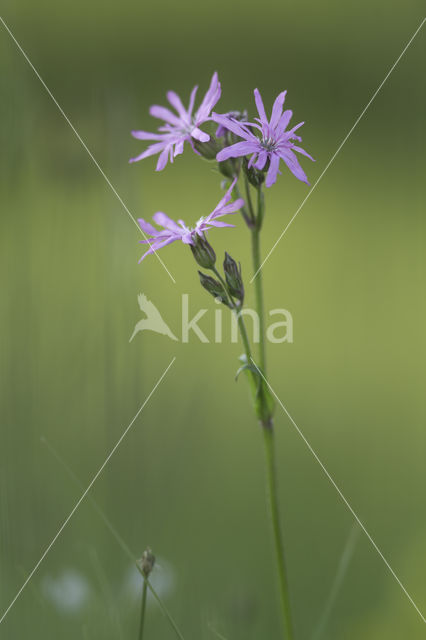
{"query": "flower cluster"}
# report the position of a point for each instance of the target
(253, 150)
(256, 147)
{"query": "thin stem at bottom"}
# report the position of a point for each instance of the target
(143, 607)
(271, 487)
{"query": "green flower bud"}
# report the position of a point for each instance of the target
(203, 252)
(214, 287)
(230, 168)
(254, 176)
(233, 278)
(208, 150)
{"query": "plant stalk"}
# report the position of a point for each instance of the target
(165, 611)
(268, 432)
(247, 216)
(143, 607)
(271, 490)
(258, 282)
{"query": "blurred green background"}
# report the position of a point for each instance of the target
(188, 477)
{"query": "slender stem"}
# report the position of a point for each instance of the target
(244, 337)
(258, 289)
(247, 217)
(342, 568)
(268, 433)
(143, 607)
(271, 485)
(165, 611)
(248, 200)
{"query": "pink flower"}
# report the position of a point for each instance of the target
(173, 231)
(180, 128)
(272, 145)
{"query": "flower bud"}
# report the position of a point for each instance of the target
(147, 562)
(214, 287)
(208, 150)
(254, 176)
(233, 278)
(229, 168)
(203, 252)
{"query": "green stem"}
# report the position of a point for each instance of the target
(143, 607)
(165, 611)
(247, 217)
(249, 201)
(342, 568)
(258, 282)
(268, 433)
(271, 485)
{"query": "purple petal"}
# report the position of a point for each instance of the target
(254, 124)
(220, 131)
(261, 160)
(232, 207)
(179, 148)
(210, 99)
(176, 102)
(260, 107)
(284, 120)
(200, 135)
(226, 198)
(191, 142)
(277, 110)
(302, 151)
(162, 160)
(219, 223)
(192, 100)
(252, 160)
(147, 227)
(232, 125)
(271, 176)
(293, 164)
(165, 114)
(164, 221)
(237, 150)
(152, 150)
(187, 238)
(145, 135)
(290, 134)
(156, 246)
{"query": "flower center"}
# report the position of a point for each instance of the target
(269, 144)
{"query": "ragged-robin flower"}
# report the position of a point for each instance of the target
(173, 231)
(180, 128)
(272, 144)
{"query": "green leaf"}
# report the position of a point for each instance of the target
(246, 367)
